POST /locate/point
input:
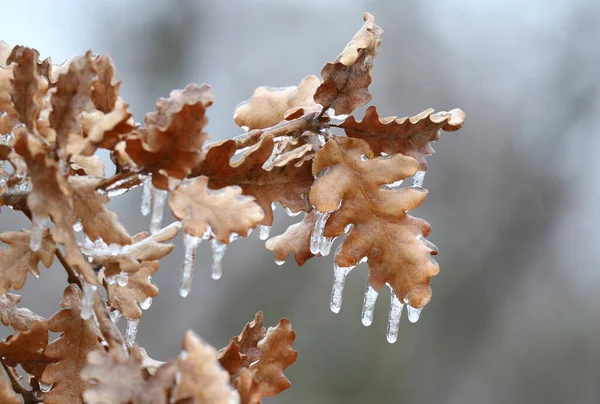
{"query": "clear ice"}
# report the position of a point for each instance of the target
(369, 305)
(218, 251)
(131, 331)
(339, 279)
(393, 186)
(115, 315)
(123, 279)
(394, 317)
(290, 213)
(160, 197)
(187, 271)
(146, 303)
(263, 231)
(87, 302)
(413, 313)
(147, 189)
(418, 179)
(77, 227)
(316, 238)
(37, 232)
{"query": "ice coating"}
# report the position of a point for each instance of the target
(394, 317)
(339, 279)
(218, 251)
(160, 197)
(316, 238)
(263, 231)
(393, 186)
(145, 305)
(37, 231)
(131, 331)
(87, 302)
(77, 227)
(413, 313)
(290, 213)
(369, 305)
(187, 271)
(418, 179)
(115, 315)
(147, 190)
(123, 279)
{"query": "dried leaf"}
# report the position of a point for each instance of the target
(88, 165)
(409, 136)
(280, 184)
(18, 259)
(10, 116)
(170, 144)
(393, 241)
(268, 105)
(243, 349)
(105, 91)
(117, 380)
(139, 287)
(226, 211)
(26, 348)
(5, 50)
(296, 240)
(346, 81)
(248, 387)
(7, 394)
(28, 87)
(79, 338)
(21, 319)
(90, 206)
(203, 381)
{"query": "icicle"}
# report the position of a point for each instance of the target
(123, 279)
(263, 231)
(116, 192)
(413, 313)
(394, 317)
(278, 262)
(160, 197)
(369, 305)
(87, 302)
(145, 305)
(147, 189)
(187, 271)
(218, 251)
(348, 228)
(44, 388)
(317, 234)
(115, 315)
(325, 246)
(77, 227)
(339, 279)
(131, 332)
(418, 179)
(37, 231)
(292, 214)
(393, 186)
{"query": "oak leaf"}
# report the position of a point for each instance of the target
(105, 91)
(203, 381)
(114, 379)
(409, 136)
(295, 240)
(79, 337)
(268, 105)
(21, 319)
(285, 185)
(18, 259)
(139, 288)
(170, 144)
(7, 394)
(87, 165)
(10, 117)
(346, 81)
(243, 349)
(226, 211)
(26, 348)
(392, 241)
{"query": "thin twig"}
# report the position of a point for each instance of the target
(17, 386)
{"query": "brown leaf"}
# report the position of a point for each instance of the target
(280, 184)
(203, 381)
(7, 394)
(52, 197)
(226, 211)
(409, 136)
(105, 90)
(243, 349)
(79, 338)
(5, 50)
(90, 206)
(28, 87)
(18, 259)
(346, 81)
(268, 105)
(26, 348)
(117, 380)
(88, 165)
(20, 319)
(393, 241)
(10, 117)
(139, 287)
(170, 144)
(72, 97)
(296, 240)
(248, 387)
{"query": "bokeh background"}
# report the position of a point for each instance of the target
(513, 203)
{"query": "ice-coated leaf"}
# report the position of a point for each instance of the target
(18, 259)
(383, 232)
(346, 81)
(170, 144)
(79, 337)
(226, 211)
(268, 105)
(410, 136)
(114, 379)
(139, 288)
(295, 240)
(26, 348)
(279, 184)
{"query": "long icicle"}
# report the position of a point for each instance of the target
(369, 305)
(187, 271)
(37, 231)
(317, 234)
(218, 251)
(131, 331)
(394, 317)
(87, 302)
(147, 191)
(160, 197)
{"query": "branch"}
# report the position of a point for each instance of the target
(28, 396)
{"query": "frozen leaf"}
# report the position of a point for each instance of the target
(18, 259)
(279, 184)
(346, 81)
(203, 381)
(295, 240)
(79, 338)
(18, 318)
(90, 207)
(28, 87)
(392, 241)
(226, 211)
(114, 379)
(7, 394)
(87, 165)
(170, 144)
(409, 136)
(139, 288)
(268, 105)
(26, 348)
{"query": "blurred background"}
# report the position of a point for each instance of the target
(514, 316)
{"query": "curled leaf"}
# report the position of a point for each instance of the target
(295, 240)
